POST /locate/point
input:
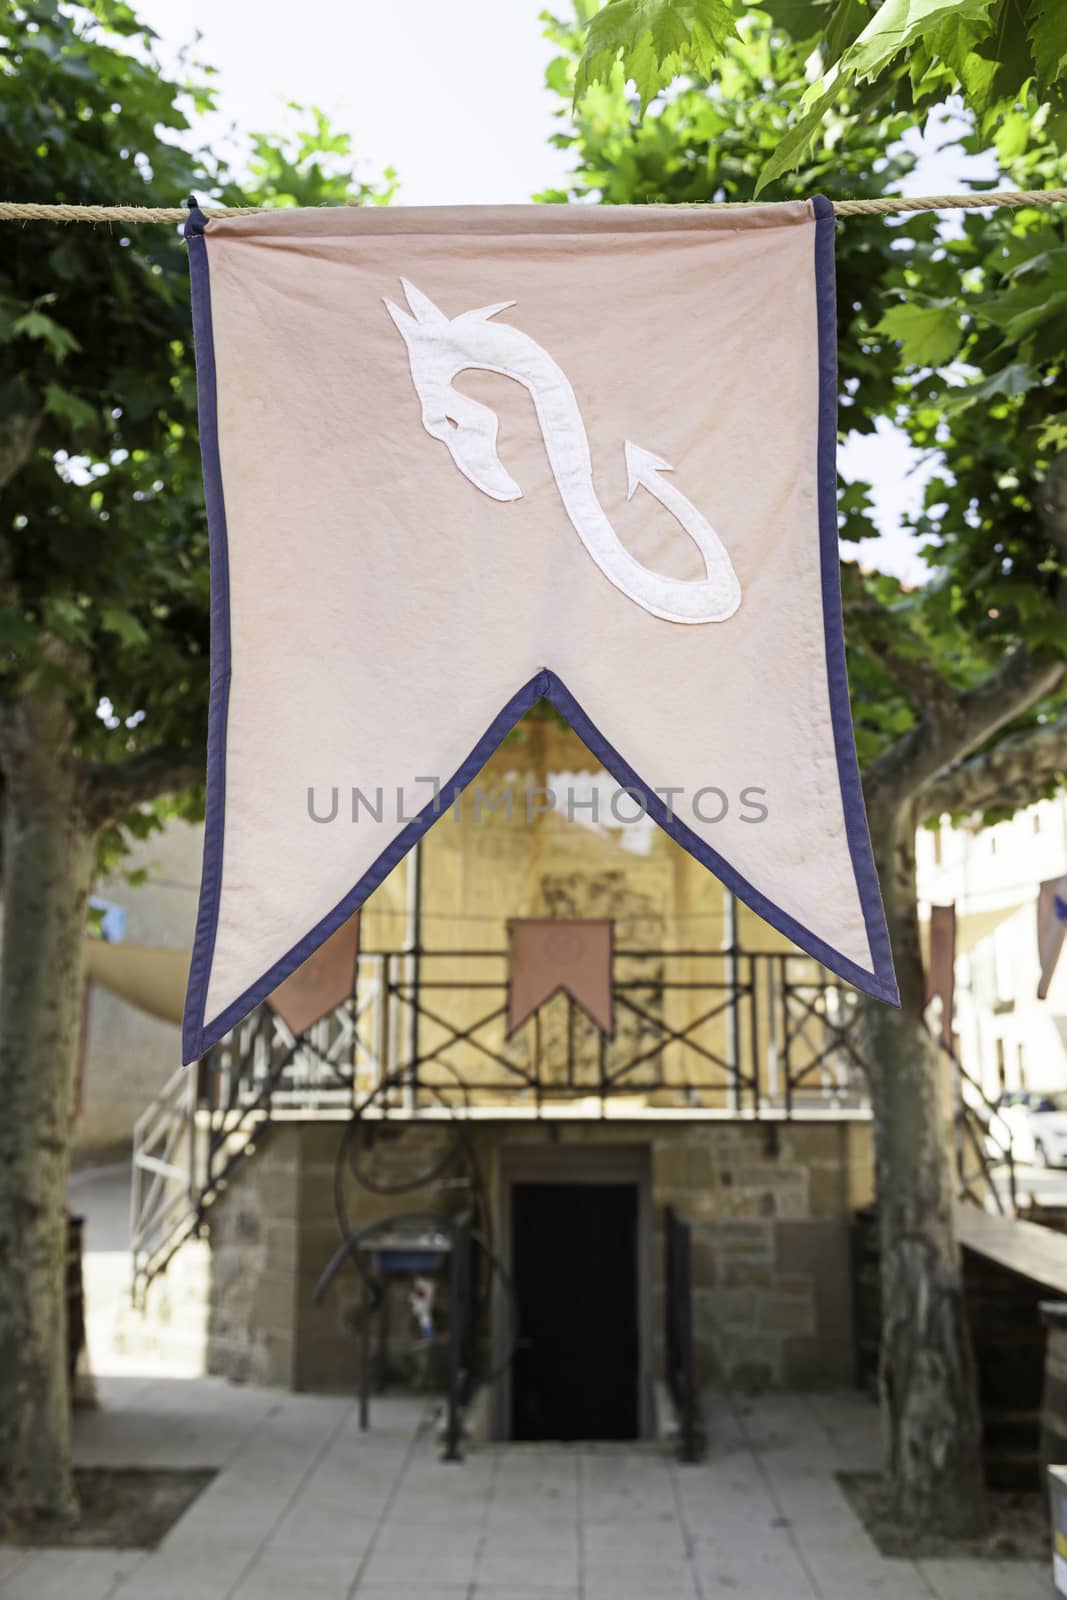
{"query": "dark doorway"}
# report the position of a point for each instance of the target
(575, 1374)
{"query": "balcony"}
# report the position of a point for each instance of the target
(698, 1033)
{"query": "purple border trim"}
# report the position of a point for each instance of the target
(207, 916)
(198, 1035)
(884, 984)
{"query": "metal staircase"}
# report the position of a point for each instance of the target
(208, 1118)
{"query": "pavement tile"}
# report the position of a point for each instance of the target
(281, 1575)
(420, 1557)
(1042, 1571)
(985, 1580)
(653, 1570)
(875, 1586)
(504, 1518)
(198, 1572)
(483, 1591)
(517, 1557)
(297, 1510)
(310, 1527)
(755, 1571)
(171, 1586)
(444, 1511)
(409, 1591)
(640, 1586)
(69, 1574)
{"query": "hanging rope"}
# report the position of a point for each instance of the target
(889, 205)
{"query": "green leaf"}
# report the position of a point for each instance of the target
(61, 403)
(642, 65)
(650, 40)
(1023, 309)
(15, 630)
(897, 25)
(1052, 435)
(1012, 136)
(1048, 41)
(124, 625)
(848, 21)
(894, 29)
(1010, 381)
(801, 19)
(929, 334)
(34, 324)
(793, 147)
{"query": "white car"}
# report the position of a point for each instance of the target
(1037, 1122)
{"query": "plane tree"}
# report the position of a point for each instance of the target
(954, 331)
(103, 591)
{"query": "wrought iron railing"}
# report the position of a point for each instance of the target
(736, 1033)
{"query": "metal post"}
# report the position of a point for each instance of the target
(383, 1336)
(414, 945)
(364, 1355)
(458, 1312)
(757, 1076)
(732, 978)
(385, 1002)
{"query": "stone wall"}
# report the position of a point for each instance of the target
(255, 1228)
(769, 1205)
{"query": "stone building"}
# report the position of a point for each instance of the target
(1006, 1037)
(730, 1095)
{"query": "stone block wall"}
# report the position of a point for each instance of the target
(769, 1204)
(272, 1232)
(254, 1229)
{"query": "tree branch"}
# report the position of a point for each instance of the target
(116, 787)
(918, 680)
(1015, 773)
(884, 627)
(952, 725)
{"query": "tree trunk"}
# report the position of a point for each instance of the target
(48, 854)
(928, 1383)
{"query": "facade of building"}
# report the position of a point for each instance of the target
(729, 1095)
(128, 1053)
(1006, 1037)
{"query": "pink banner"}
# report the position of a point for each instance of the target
(324, 982)
(941, 967)
(549, 956)
(1051, 928)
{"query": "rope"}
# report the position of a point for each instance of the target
(888, 205)
(950, 202)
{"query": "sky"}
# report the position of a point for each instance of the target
(452, 96)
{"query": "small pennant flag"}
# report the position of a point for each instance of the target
(1051, 929)
(548, 957)
(941, 967)
(461, 460)
(322, 983)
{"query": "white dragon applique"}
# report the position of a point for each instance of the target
(440, 347)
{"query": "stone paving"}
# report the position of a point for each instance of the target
(306, 1505)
